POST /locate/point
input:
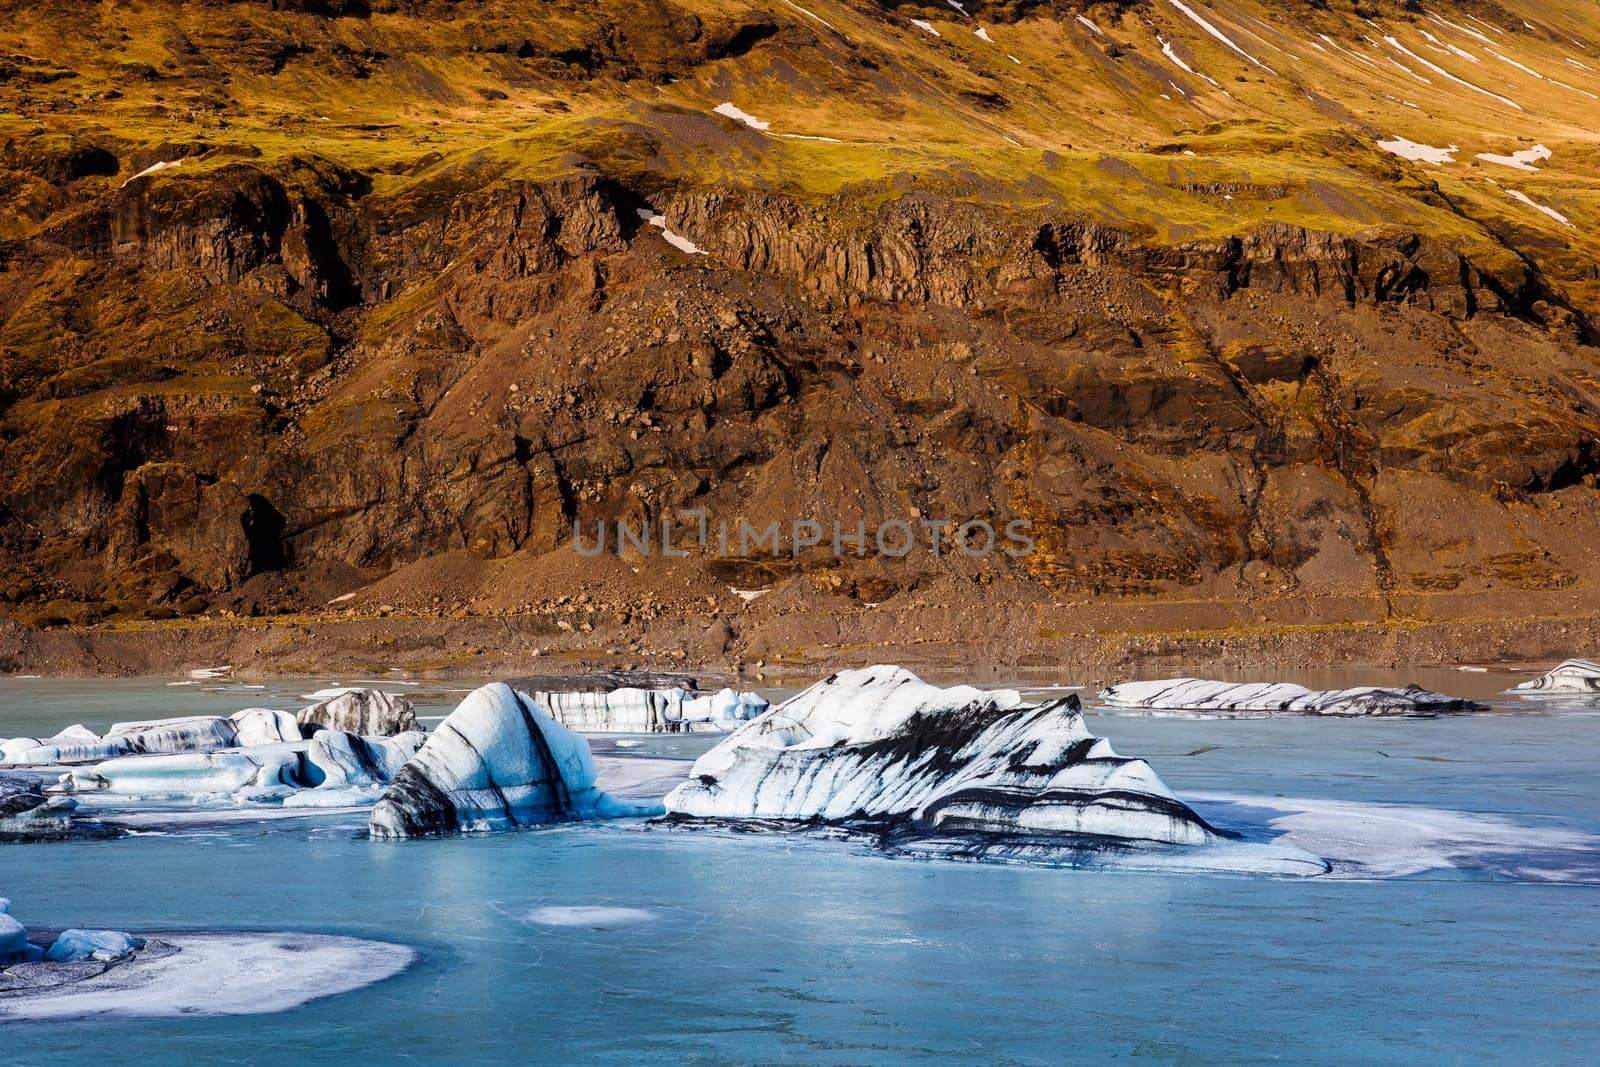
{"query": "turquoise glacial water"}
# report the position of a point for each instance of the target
(617, 943)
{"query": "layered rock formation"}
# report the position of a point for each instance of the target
(258, 351)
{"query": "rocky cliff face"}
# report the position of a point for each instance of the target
(241, 374)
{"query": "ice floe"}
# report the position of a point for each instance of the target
(84, 946)
(498, 761)
(1550, 211)
(654, 218)
(1273, 698)
(1572, 676)
(728, 110)
(190, 974)
(1419, 153)
(1368, 840)
(592, 916)
(1523, 159)
(949, 772)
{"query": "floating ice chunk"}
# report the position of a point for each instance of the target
(362, 711)
(726, 707)
(264, 726)
(1550, 211)
(1573, 676)
(192, 733)
(1520, 160)
(350, 796)
(193, 774)
(594, 916)
(28, 814)
(632, 710)
(81, 946)
(152, 169)
(880, 748)
(14, 945)
(498, 761)
(728, 110)
(207, 673)
(1420, 153)
(1266, 698)
(926, 26)
(659, 221)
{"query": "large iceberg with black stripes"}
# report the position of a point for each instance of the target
(498, 761)
(958, 772)
(1280, 698)
(1573, 676)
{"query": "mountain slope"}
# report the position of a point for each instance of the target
(1286, 308)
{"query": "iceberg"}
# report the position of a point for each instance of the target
(83, 946)
(632, 710)
(954, 771)
(1573, 676)
(367, 712)
(498, 761)
(187, 774)
(344, 759)
(14, 944)
(1269, 698)
(264, 726)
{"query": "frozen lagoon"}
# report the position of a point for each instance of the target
(755, 947)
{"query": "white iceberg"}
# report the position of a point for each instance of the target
(343, 759)
(946, 771)
(632, 710)
(264, 726)
(193, 774)
(498, 761)
(1573, 676)
(1270, 698)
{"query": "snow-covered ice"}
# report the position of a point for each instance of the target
(216, 974)
(633, 710)
(926, 26)
(1550, 211)
(659, 221)
(1523, 159)
(1403, 50)
(728, 110)
(152, 169)
(593, 916)
(1266, 698)
(1420, 153)
(1195, 17)
(982, 33)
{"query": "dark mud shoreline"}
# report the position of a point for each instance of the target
(992, 642)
